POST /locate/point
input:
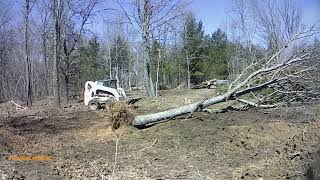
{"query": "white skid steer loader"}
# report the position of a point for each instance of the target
(99, 94)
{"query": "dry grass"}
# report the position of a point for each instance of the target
(169, 99)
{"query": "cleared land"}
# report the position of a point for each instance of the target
(272, 144)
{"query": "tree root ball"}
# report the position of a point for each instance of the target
(120, 113)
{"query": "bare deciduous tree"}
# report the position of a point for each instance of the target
(244, 31)
(27, 52)
(77, 12)
(57, 18)
(4, 13)
(277, 21)
(44, 29)
(146, 16)
(270, 22)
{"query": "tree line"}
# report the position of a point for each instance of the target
(54, 48)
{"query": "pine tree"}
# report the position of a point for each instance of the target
(192, 37)
(219, 54)
(92, 64)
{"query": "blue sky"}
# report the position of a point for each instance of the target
(213, 13)
(216, 13)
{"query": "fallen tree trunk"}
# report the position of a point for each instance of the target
(208, 84)
(232, 94)
(201, 105)
(160, 116)
(272, 74)
(205, 84)
(18, 107)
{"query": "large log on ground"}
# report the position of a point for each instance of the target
(210, 83)
(205, 84)
(149, 119)
(169, 114)
(241, 87)
(221, 82)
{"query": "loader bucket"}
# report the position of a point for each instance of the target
(133, 100)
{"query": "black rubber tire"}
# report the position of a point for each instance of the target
(94, 105)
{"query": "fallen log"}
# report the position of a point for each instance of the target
(264, 74)
(232, 94)
(205, 84)
(149, 119)
(169, 114)
(18, 106)
(210, 83)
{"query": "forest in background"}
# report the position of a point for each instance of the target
(51, 48)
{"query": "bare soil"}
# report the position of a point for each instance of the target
(270, 144)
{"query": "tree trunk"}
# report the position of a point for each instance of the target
(44, 46)
(67, 75)
(66, 80)
(158, 68)
(130, 70)
(232, 94)
(117, 75)
(129, 82)
(110, 63)
(189, 74)
(148, 78)
(157, 117)
(146, 42)
(27, 54)
(2, 95)
(57, 38)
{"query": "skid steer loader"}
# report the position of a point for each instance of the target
(99, 94)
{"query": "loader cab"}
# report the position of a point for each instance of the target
(111, 83)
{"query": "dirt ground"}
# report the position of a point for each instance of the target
(267, 144)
